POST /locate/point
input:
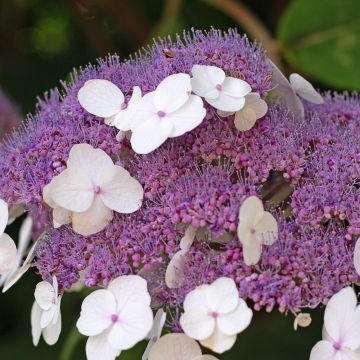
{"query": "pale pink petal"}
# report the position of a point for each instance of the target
(72, 190)
(236, 321)
(324, 350)
(252, 249)
(174, 276)
(151, 134)
(305, 89)
(188, 117)
(47, 195)
(205, 78)
(135, 322)
(245, 119)
(224, 102)
(236, 88)
(222, 295)
(198, 324)
(96, 311)
(119, 191)
(267, 229)
(61, 216)
(35, 323)
(225, 113)
(219, 342)
(52, 332)
(357, 256)
(172, 92)
(129, 289)
(101, 98)
(188, 238)
(4, 216)
(98, 347)
(258, 105)
(175, 347)
(303, 320)
(8, 253)
(251, 210)
(93, 220)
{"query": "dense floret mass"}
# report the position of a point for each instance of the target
(306, 172)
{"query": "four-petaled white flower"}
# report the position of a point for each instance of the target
(341, 332)
(155, 332)
(291, 89)
(16, 254)
(256, 228)
(214, 314)
(254, 109)
(174, 275)
(169, 111)
(302, 320)
(220, 91)
(45, 313)
(90, 189)
(116, 318)
(357, 256)
(177, 347)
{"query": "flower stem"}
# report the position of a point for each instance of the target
(70, 344)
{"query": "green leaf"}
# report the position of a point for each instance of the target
(322, 38)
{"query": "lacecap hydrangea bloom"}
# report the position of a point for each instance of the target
(203, 185)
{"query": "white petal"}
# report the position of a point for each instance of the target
(98, 347)
(35, 323)
(174, 276)
(135, 97)
(172, 92)
(205, 78)
(4, 216)
(101, 98)
(303, 320)
(267, 229)
(119, 191)
(197, 324)
(96, 311)
(150, 135)
(251, 210)
(44, 295)
(342, 318)
(47, 195)
(224, 102)
(252, 249)
(324, 350)
(175, 347)
(52, 332)
(245, 119)
(155, 333)
(357, 256)
(48, 316)
(188, 117)
(93, 220)
(135, 322)
(129, 289)
(88, 160)
(25, 235)
(236, 88)
(8, 254)
(72, 190)
(219, 342)
(237, 321)
(188, 238)
(305, 89)
(222, 295)
(196, 299)
(61, 217)
(16, 211)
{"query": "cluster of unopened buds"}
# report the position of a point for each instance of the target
(93, 187)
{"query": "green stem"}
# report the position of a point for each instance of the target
(70, 344)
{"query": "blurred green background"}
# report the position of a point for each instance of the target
(41, 41)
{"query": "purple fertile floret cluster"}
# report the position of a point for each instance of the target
(305, 171)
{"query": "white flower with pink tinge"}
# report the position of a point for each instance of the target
(357, 256)
(223, 92)
(90, 189)
(116, 318)
(177, 347)
(341, 332)
(214, 314)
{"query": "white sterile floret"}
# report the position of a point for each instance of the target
(177, 347)
(357, 256)
(302, 320)
(19, 253)
(214, 314)
(169, 111)
(155, 332)
(90, 189)
(220, 91)
(45, 313)
(291, 90)
(341, 332)
(115, 318)
(174, 275)
(254, 109)
(256, 228)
